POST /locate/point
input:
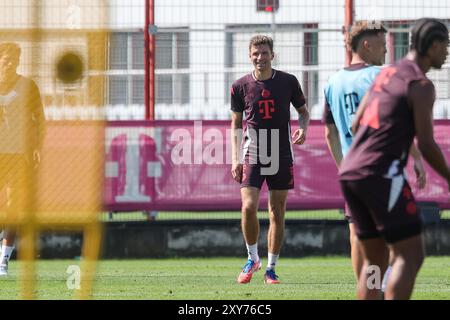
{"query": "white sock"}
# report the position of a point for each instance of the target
(6, 254)
(272, 261)
(386, 278)
(253, 252)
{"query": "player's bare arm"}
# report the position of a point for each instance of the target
(333, 142)
(421, 97)
(38, 117)
(419, 169)
(236, 167)
(299, 135)
(359, 113)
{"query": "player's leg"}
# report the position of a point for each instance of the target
(375, 253)
(369, 239)
(250, 231)
(9, 238)
(8, 242)
(279, 185)
(277, 209)
(396, 216)
(4, 172)
(9, 234)
(355, 249)
(249, 221)
(275, 235)
(408, 256)
(387, 274)
(14, 205)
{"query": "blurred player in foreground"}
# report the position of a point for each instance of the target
(343, 94)
(398, 107)
(265, 95)
(21, 136)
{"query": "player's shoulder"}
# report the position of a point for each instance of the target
(286, 79)
(373, 69)
(369, 73)
(423, 84)
(409, 71)
(336, 75)
(243, 80)
(338, 78)
(27, 83)
(406, 65)
(285, 75)
(362, 70)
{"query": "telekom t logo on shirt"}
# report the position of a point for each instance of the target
(266, 107)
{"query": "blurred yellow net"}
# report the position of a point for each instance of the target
(52, 53)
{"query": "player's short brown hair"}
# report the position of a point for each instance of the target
(10, 48)
(259, 40)
(361, 29)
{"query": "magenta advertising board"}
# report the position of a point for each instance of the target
(185, 165)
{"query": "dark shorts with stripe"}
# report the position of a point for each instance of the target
(347, 215)
(254, 175)
(382, 207)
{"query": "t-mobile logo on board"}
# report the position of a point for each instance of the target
(131, 160)
(266, 107)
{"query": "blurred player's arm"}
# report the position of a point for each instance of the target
(237, 109)
(299, 135)
(38, 118)
(359, 113)
(333, 142)
(421, 97)
(332, 134)
(299, 102)
(236, 128)
(419, 169)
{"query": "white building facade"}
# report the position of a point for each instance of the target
(201, 48)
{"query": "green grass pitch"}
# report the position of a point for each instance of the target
(316, 278)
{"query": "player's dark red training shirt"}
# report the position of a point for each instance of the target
(266, 105)
(381, 145)
(22, 118)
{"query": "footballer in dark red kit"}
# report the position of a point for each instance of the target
(397, 109)
(265, 152)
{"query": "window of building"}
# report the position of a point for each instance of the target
(126, 68)
(311, 58)
(172, 67)
(267, 5)
(397, 40)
